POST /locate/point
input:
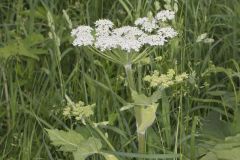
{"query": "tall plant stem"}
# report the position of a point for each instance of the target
(7, 99)
(137, 110)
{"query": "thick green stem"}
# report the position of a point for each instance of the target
(137, 110)
(141, 143)
(130, 79)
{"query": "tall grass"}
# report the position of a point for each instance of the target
(32, 89)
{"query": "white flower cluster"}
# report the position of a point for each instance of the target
(150, 24)
(128, 38)
(103, 27)
(146, 24)
(124, 38)
(165, 15)
(165, 80)
(167, 32)
(83, 36)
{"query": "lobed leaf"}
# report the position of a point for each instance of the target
(68, 141)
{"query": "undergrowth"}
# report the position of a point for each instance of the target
(40, 71)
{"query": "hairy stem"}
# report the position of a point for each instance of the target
(137, 110)
(130, 79)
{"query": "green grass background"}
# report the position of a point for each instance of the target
(36, 71)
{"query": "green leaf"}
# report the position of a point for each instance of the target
(87, 147)
(78, 156)
(145, 117)
(74, 142)
(209, 156)
(23, 47)
(229, 149)
(33, 39)
(146, 110)
(145, 156)
(142, 100)
(90, 146)
(156, 96)
(214, 127)
(68, 141)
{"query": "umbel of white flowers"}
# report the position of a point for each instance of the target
(147, 31)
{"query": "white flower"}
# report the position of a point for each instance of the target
(105, 43)
(153, 40)
(127, 38)
(103, 27)
(104, 23)
(167, 32)
(103, 38)
(83, 36)
(146, 24)
(165, 15)
(127, 31)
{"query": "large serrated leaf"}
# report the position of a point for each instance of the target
(90, 146)
(79, 156)
(74, 142)
(87, 147)
(68, 141)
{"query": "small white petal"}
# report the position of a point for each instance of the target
(83, 36)
(165, 15)
(167, 32)
(146, 24)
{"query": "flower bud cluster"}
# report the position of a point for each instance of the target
(78, 111)
(165, 80)
(147, 31)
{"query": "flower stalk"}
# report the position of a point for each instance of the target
(137, 110)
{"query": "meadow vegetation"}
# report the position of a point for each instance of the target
(43, 75)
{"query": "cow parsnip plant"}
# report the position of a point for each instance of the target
(128, 46)
(39, 66)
